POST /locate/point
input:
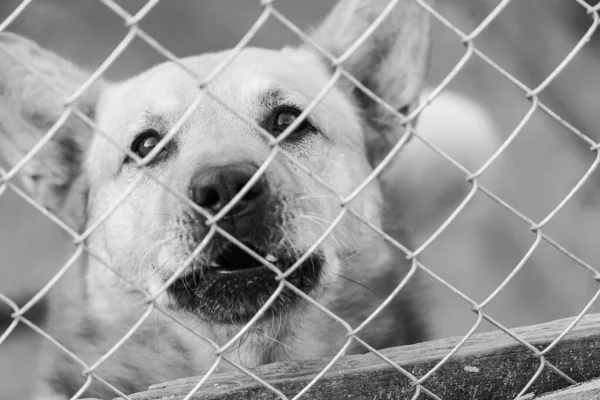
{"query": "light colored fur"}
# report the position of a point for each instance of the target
(429, 186)
(80, 175)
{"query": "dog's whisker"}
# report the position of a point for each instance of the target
(150, 249)
(282, 344)
(314, 196)
(161, 267)
(316, 217)
(351, 256)
(323, 223)
(361, 285)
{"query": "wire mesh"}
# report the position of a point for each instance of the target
(222, 350)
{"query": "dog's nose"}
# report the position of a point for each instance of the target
(213, 188)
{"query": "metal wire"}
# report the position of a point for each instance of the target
(269, 10)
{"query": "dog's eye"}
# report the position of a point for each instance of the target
(145, 142)
(283, 118)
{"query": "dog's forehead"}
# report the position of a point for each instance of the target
(172, 87)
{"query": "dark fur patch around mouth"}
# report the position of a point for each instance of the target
(237, 286)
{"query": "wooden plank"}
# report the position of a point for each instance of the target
(489, 366)
(586, 391)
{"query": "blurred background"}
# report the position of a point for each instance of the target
(486, 241)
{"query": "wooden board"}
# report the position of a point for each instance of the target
(586, 391)
(489, 366)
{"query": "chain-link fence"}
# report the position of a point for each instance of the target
(224, 351)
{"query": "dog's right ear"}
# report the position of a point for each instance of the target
(29, 107)
(391, 61)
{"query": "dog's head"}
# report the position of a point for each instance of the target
(283, 211)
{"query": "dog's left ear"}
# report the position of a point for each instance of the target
(391, 61)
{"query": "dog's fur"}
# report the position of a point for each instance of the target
(80, 175)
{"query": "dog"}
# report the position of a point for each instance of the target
(80, 174)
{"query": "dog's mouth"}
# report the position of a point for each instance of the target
(234, 286)
(236, 259)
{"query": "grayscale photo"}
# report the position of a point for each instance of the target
(317, 199)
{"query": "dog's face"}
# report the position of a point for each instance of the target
(212, 156)
(157, 227)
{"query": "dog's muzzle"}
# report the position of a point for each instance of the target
(229, 285)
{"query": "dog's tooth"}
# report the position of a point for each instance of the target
(270, 258)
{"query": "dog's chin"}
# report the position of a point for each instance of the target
(235, 286)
